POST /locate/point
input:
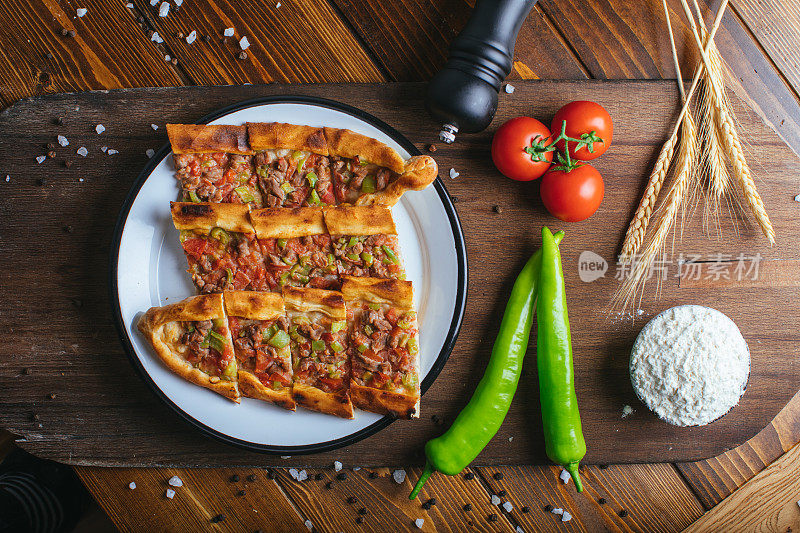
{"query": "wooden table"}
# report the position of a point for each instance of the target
(375, 40)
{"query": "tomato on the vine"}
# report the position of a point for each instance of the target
(572, 195)
(519, 149)
(587, 121)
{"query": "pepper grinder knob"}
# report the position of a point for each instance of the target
(463, 95)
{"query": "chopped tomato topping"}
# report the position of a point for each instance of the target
(195, 247)
(332, 383)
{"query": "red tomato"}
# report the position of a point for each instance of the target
(509, 144)
(572, 196)
(584, 117)
(195, 247)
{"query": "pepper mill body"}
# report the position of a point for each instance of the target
(463, 95)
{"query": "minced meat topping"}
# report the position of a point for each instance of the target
(208, 349)
(301, 261)
(262, 347)
(223, 260)
(217, 177)
(373, 255)
(319, 352)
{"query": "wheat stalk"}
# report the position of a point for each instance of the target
(729, 136)
(641, 218)
(676, 201)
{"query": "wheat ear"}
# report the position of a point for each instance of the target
(730, 139)
(675, 201)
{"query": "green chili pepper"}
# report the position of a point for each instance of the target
(389, 253)
(352, 242)
(217, 341)
(204, 343)
(362, 348)
(369, 185)
(229, 273)
(245, 194)
(231, 371)
(563, 438)
(368, 329)
(338, 326)
(279, 340)
(331, 259)
(353, 257)
(262, 171)
(193, 197)
(374, 306)
(413, 346)
(312, 178)
(336, 346)
(318, 346)
(287, 187)
(367, 258)
(480, 420)
(220, 234)
(266, 335)
(313, 198)
(281, 243)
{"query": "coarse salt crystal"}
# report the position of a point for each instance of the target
(129, 5)
(519, 529)
(302, 475)
(192, 37)
(626, 410)
(99, 129)
(278, 5)
(80, 180)
(178, 3)
(244, 44)
(558, 510)
(454, 174)
(82, 151)
(104, 149)
(175, 481)
(228, 32)
(111, 151)
(153, 2)
(170, 494)
(293, 473)
(356, 468)
(309, 525)
(509, 88)
(62, 140)
(167, 57)
(566, 517)
(156, 37)
(337, 465)
(150, 153)
(510, 439)
(163, 9)
(154, 126)
(508, 507)
(8, 178)
(40, 158)
(399, 475)
(797, 198)
(564, 476)
(419, 522)
(495, 499)
(131, 485)
(282, 456)
(81, 11)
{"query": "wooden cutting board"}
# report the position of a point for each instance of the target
(69, 392)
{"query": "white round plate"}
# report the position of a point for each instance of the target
(148, 269)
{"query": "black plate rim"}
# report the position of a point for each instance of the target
(455, 323)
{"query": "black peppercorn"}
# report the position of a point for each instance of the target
(359, 519)
(525, 509)
(341, 476)
(318, 476)
(352, 500)
(601, 501)
(623, 513)
(241, 493)
(498, 476)
(497, 209)
(235, 478)
(251, 478)
(492, 517)
(502, 493)
(469, 475)
(467, 507)
(548, 508)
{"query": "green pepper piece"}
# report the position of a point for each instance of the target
(407, 320)
(279, 340)
(338, 326)
(335, 374)
(300, 157)
(313, 197)
(352, 242)
(287, 187)
(318, 346)
(229, 273)
(480, 420)
(374, 306)
(390, 254)
(268, 333)
(409, 381)
(369, 185)
(353, 257)
(301, 320)
(413, 346)
(331, 259)
(362, 348)
(220, 234)
(262, 171)
(368, 329)
(564, 442)
(367, 258)
(281, 243)
(193, 197)
(282, 279)
(336, 346)
(231, 371)
(190, 328)
(245, 194)
(277, 385)
(217, 341)
(312, 179)
(206, 340)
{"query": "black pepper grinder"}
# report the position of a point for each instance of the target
(463, 95)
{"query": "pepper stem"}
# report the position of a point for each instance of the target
(572, 468)
(426, 473)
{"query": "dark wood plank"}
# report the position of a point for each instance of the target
(410, 38)
(72, 350)
(205, 494)
(622, 39)
(776, 26)
(93, 59)
(715, 479)
(297, 42)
